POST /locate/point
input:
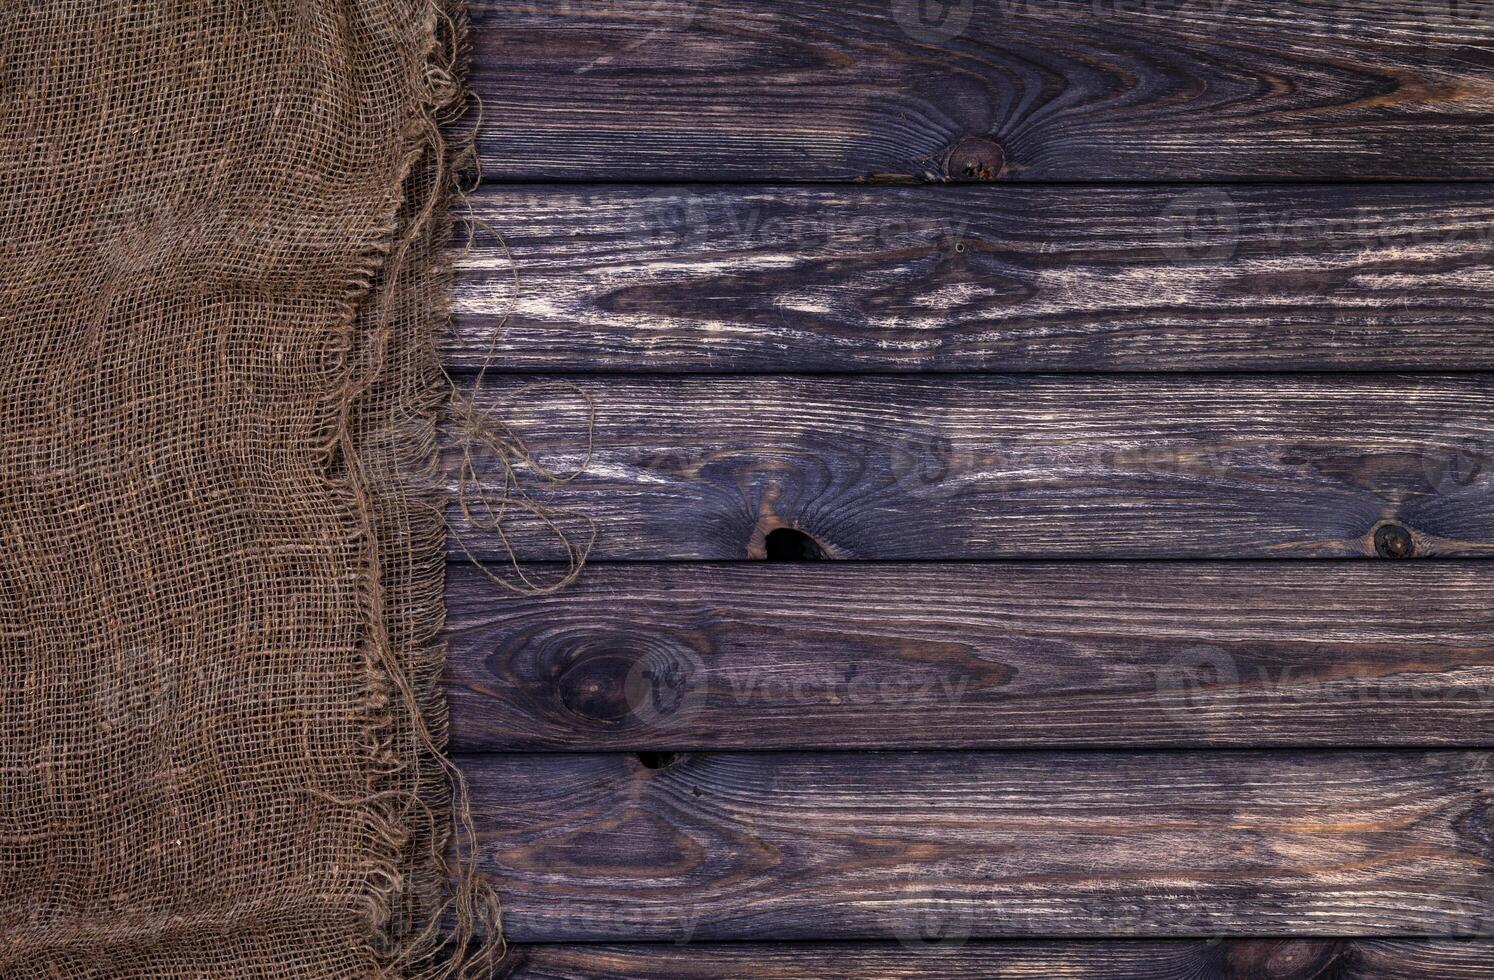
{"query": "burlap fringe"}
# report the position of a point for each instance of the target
(433, 915)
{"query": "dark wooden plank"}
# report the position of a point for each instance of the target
(737, 279)
(854, 655)
(1133, 959)
(988, 845)
(1120, 466)
(1029, 90)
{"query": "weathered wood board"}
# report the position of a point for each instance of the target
(721, 90)
(1017, 654)
(1015, 278)
(1133, 466)
(1134, 959)
(785, 846)
(1066, 701)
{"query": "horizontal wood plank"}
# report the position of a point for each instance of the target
(1020, 278)
(1027, 90)
(1120, 466)
(988, 845)
(1134, 959)
(1019, 654)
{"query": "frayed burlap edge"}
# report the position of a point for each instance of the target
(432, 916)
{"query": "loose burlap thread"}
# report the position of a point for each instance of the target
(222, 736)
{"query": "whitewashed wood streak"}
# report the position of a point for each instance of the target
(1009, 466)
(727, 279)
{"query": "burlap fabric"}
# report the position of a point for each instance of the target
(220, 564)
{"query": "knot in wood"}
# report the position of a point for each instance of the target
(1394, 541)
(594, 687)
(974, 158)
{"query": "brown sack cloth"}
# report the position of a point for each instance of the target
(220, 557)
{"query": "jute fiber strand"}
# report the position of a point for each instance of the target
(220, 551)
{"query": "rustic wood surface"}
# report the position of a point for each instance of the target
(1134, 959)
(975, 466)
(1022, 654)
(987, 845)
(1038, 90)
(1019, 278)
(1195, 748)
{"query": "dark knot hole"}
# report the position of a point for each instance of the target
(658, 760)
(791, 544)
(1394, 541)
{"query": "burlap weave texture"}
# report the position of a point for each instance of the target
(220, 567)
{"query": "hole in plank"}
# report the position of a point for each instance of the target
(791, 544)
(658, 760)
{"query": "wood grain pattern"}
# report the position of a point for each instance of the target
(1135, 959)
(1019, 654)
(1123, 466)
(901, 864)
(1029, 90)
(950, 845)
(1020, 278)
